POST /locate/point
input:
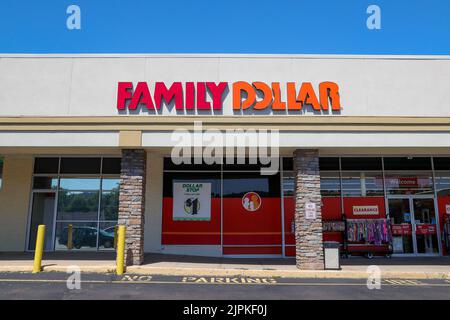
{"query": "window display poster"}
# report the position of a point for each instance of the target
(447, 208)
(192, 201)
(397, 244)
(407, 217)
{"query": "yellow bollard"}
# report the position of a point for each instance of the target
(115, 237)
(120, 263)
(39, 249)
(69, 237)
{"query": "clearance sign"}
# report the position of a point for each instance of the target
(245, 95)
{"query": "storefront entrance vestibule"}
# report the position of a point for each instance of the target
(414, 230)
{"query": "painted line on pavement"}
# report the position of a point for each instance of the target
(304, 284)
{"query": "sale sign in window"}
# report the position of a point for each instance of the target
(192, 201)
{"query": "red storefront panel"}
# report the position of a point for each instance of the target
(252, 250)
(190, 232)
(260, 227)
(289, 211)
(289, 251)
(444, 212)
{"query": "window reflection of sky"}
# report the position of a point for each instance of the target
(244, 185)
(80, 184)
(110, 184)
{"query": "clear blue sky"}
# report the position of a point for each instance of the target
(225, 26)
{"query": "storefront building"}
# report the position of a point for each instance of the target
(362, 154)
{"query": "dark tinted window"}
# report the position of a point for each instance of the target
(169, 165)
(288, 164)
(441, 163)
(361, 163)
(407, 163)
(45, 183)
(238, 184)
(171, 177)
(46, 165)
(111, 165)
(327, 164)
(80, 165)
(244, 165)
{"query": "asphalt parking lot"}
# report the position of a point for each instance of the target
(94, 286)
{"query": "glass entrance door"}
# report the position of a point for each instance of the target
(413, 224)
(401, 225)
(42, 212)
(425, 226)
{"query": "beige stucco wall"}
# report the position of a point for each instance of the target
(153, 202)
(14, 202)
(71, 85)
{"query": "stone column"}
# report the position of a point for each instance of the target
(308, 225)
(132, 203)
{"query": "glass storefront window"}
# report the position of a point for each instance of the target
(189, 166)
(106, 235)
(77, 205)
(407, 163)
(329, 164)
(80, 165)
(171, 177)
(110, 200)
(361, 164)
(111, 165)
(362, 184)
(86, 207)
(238, 184)
(45, 183)
(79, 184)
(409, 183)
(46, 165)
(330, 184)
(109, 205)
(84, 235)
(442, 183)
(110, 184)
(288, 184)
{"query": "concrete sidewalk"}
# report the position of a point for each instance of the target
(354, 267)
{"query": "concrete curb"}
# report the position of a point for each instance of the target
(208, 272)
(326, 274)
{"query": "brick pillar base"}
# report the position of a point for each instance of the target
(308, 229)
(132, 203)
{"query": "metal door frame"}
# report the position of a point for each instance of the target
(30, 218)
(411, 198)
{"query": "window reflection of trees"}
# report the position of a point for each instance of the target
(77, 205)
(110, 204)
(83, 205)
